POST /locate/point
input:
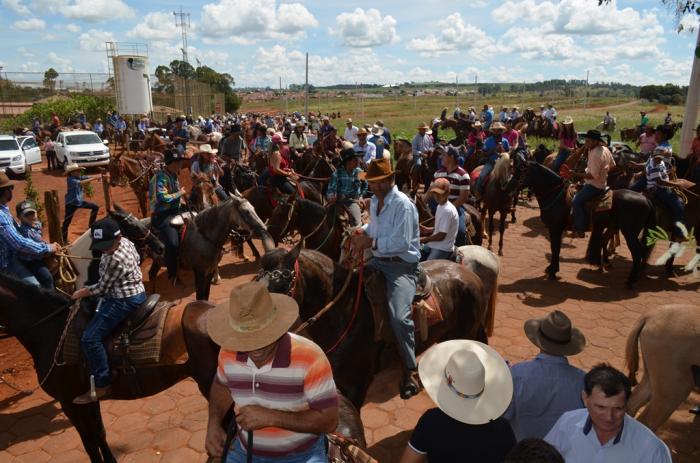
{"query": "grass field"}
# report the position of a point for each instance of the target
(402, 114)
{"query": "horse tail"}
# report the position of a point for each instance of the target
(491, 315)
(632, 351)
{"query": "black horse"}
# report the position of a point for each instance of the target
(631, 213)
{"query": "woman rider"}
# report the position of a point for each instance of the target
(297, 140)
(280, 173)
(567, 143)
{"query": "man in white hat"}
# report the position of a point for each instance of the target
(494, 147)
(603, 431)
(281, 383)
(472, 387)
(547, 386)
(421, 144)
(367, 148)
(350, 133)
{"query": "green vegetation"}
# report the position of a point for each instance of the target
(666, 94)
(92, 106)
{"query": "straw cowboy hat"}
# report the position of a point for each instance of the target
(378, 170)
(377, 130)
(206, 148)
(72, 167)
(468, 380)
(568, 120)
(555, 334)
(362, 131)
(476, 124)
(497, 126)
(427, 128)
(252, 318)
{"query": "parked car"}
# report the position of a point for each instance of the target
(82, 147)
(18, 154)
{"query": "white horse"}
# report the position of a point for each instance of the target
(485, 264)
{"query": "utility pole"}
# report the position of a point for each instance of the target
(585, 95)
(475, 90)
(182, 20)
(306, 88)
(456, 91)
(691, 104)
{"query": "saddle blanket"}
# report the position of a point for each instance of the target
(599, 204)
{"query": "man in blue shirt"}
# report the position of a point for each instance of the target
(12, 242)
(547, 386)
(393, 236)
(345, 187)
(494, 147)
(98, 127)
(180, 135)
(387, 133)
(421, 144)
(487, 117)
(74, 197)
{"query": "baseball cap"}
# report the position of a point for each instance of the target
(25, 207)
(103, 233)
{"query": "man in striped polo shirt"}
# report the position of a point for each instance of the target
(280, 383)
(459, 186)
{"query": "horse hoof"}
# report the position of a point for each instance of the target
(500, 253)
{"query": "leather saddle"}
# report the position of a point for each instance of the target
(179, 220)
(601, 203)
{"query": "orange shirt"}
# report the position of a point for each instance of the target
(600, 161)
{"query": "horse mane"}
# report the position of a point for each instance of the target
(31, 295)
(310, 209)
(502, 167)
(208, 217)
(547, 171)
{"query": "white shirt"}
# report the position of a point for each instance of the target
(447, 221)
(351, 134)
(573, 435)
(369, 149)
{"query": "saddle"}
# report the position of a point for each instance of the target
(179, 220)
(601, 203)
(136, 341)
(426, 309)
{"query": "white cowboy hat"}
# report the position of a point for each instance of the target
(206, 148)
(378, 131)
(72, 167)
(568, 120)
(468, 380)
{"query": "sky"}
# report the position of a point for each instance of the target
(260, 41)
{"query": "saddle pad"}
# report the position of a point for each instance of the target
(141, 351)
(599, 204)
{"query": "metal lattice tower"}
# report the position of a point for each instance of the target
(182, 20)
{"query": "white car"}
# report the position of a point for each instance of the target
(18, 154)
(82, 147)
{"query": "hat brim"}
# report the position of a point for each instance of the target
(438, 190)
(222, 333)
(27, 211)
(575, 345)
(498, 390)
(363, 176)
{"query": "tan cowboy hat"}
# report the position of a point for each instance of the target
(555, 334)
(377, 130)
(497, 126)
(5, 181)
(423, 125)
(252, 318)
(568, 120)
(468, 380)
(206, 148)
(362, 131)
(349, 121)
(270, 131)
(476, 124)
(72, 167)
(378, 170)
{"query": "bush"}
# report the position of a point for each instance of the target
(92, 106)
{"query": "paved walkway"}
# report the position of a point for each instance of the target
(170, 426)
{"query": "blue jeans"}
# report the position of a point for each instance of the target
(669, 199)
(485, 172)
(640, 185)
(110, 313)
(560, 160)
(19, 269)
(315, 454)
(41, 272)
(417, 160)
(587, 193)
(401, 278)
(438, 254)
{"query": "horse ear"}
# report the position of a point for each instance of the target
(292, 256)
(119, 209)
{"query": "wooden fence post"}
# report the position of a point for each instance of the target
(105, 189)
(53, 215)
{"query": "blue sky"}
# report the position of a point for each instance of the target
(259, 41)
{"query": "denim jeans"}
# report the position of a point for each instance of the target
(561, 158)
(640, 185)
(401, 278)
(70, 211)
(485, 172)
(417, 160)
(315, 454)
(19, 269)
(438, 254)
(41, 272)
(110, 313)
(170, 237)
(587, 193)
(670, 200)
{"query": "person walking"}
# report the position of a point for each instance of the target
(74, 197)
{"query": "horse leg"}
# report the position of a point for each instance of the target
(491, 217)
(641, 395)
(153, 274)
(637, 251)
(200, 280)
(515, 205)
(555, 248)
(502, 230)
(256, 253)
(88, 422)
(668, 392)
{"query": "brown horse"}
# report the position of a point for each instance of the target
(154, 142)
(135, 172)
(262, 198)
(38, 328)
(346, 331)
(202, 195)
(407, 174)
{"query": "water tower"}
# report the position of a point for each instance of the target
(128, 63)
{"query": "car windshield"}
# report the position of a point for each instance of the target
(8, 145)
(83, 139)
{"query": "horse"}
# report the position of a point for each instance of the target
(154, 141)
(630, 134)
(43, 318)
(406, 174)
(264, 203)
(668, 339)
(346, 331)
(135, 172)
(485, 264)
(203, 195)
(631, 213)
(242, 177)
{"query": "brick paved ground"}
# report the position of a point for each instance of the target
(170, 426)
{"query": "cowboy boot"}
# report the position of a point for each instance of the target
(93, 395)
(410, 384)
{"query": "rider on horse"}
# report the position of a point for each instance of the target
(421, 144)
(206, 164)
(494, 147)
(393, 236)
(345, 187)
(165, 197)
(121, 289)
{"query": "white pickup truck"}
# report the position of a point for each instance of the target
(82, 147)
(18, 154)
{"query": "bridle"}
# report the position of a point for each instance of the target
(277, 276)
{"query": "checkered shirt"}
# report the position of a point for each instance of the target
(120, 274)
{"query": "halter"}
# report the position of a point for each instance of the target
(277, 276)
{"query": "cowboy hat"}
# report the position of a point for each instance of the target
(497, 126)
(5, 181)
(377, 130)
(378, 170)
(269, 131)
(362, 131)
(594, 135)
(554, 334)
(300, 125)
(72, 167)
(349, 153)
(278, 138)
(423, 125)
(206, 148)
(468, 380)
(349, 121)
(476, 124)
(568, 120)
(521, 125)
(252, 318)
(172, 156)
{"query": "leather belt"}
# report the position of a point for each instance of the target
(392, 259)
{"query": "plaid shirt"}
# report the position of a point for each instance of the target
(120, 274)
(11, 242)
(346, 185)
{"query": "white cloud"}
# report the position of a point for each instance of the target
(32, 24)
(247, 21)
(157, 25)
(94, 40)
(74, 28)
(16, 6)
(25, 53)
(454, 35)
(63, 64)
(364, 28)
(96, 10)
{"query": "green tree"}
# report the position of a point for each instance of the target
(164, 75)
(182, 69)
(50, 78)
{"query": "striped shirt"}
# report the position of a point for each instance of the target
(655, 172)
(298, 378)
(458, 178)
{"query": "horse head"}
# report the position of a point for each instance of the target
(137, 230)
(282, 219)
(278, 269)
(203, 195)
(243, 215)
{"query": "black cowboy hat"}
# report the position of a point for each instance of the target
(594, 135)
(349, 154)
(172, 156)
